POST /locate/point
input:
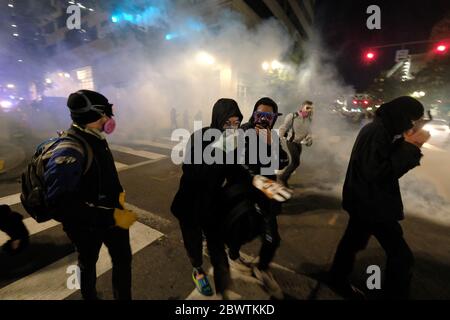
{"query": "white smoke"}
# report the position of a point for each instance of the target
(197, 66)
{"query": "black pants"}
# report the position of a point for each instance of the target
(88, 244)
(269, 234)
(192, 232)
(400, 259)
(11, 223)
(295, 151)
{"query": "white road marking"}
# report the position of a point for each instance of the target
(155, 144)
(50, 282)
(120, 166)
(33, 227)
(15, 198)
(139, 153)
(11, 200)
(432, 147)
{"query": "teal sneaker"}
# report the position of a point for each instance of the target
(201, 282)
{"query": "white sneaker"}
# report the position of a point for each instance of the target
(269, 282)
(241, 265)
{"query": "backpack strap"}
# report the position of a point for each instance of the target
(72, 134)
(71, 139)
(294, 115)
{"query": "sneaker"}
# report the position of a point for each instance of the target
(240, 265)
(269, 282)
(201, 282)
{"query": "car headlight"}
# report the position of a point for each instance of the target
(6, 104)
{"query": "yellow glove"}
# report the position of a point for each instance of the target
(124, 218)
(122, 199)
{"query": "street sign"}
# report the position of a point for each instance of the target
(401, 55)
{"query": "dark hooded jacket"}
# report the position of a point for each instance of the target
(199, 194)
(281, 157)
(380, 156)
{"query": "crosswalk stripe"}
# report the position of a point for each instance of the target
(15, 198)
(433, 147)
(50, 282)
(139, 153)
(11, 200)
(33, 227)
(120, 166)
(155, 144)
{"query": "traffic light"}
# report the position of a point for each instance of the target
(369, 56)
(441, 48)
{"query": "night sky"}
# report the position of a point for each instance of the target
(342, 25)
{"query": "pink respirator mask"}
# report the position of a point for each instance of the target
(110, 124)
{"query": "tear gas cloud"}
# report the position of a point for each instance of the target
(191, 70)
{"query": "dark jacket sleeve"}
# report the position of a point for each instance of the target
(384, 160)
(62, 178)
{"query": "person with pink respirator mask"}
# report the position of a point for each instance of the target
(296, 131)
(82, 190)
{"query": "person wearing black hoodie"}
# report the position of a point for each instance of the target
(384, 151)
(264, 116)
(198, 202)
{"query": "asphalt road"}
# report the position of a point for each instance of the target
(310, 226)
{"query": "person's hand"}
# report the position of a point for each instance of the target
(264, 134)
(308, 141)
(272, 189)
(417, 138)
(122, 199)
(124, 218)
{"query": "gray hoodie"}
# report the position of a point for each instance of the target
(301, 126)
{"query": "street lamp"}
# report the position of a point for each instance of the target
(265, 66)
(205, 58)
(276, 65)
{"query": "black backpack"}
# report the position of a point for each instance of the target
(242, 221)
(34, 191)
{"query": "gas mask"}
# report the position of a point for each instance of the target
(265, 120)
(306, 111)
(109, 126)
(104, 110)
(228, 140)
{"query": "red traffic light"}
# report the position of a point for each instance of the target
(369, 56)
(441, 48)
